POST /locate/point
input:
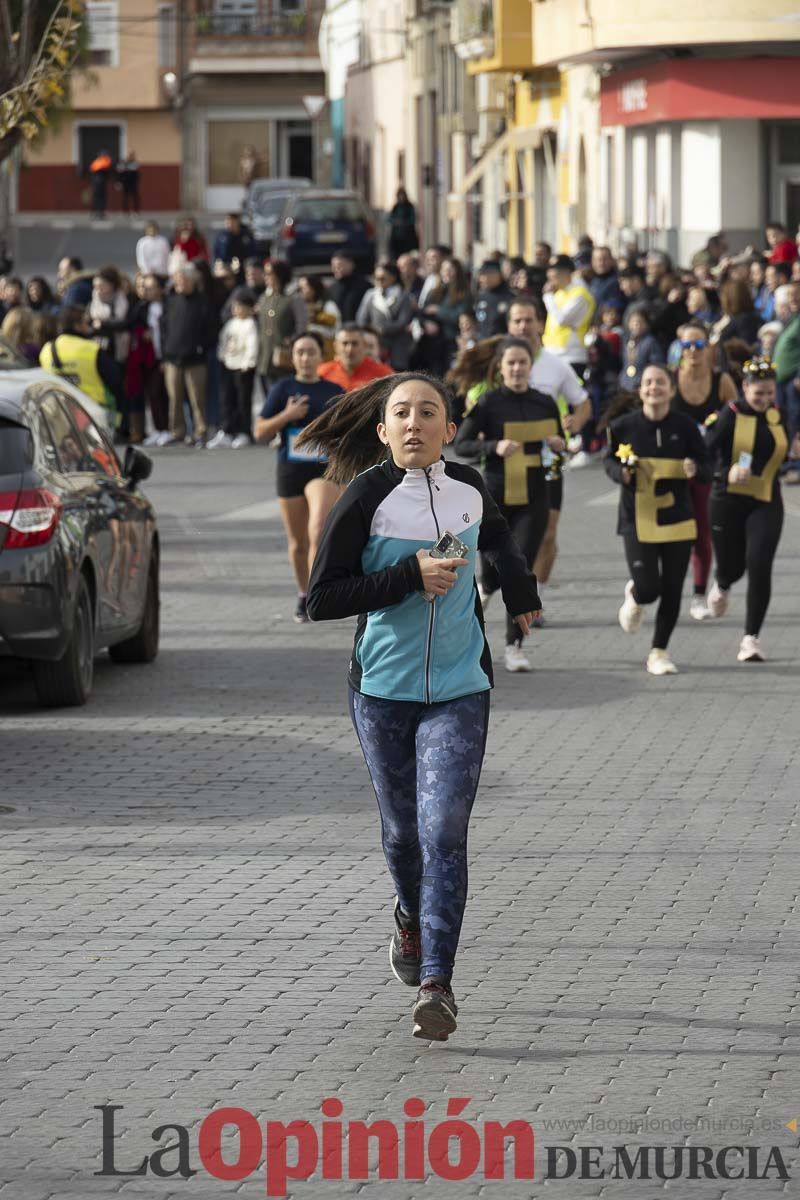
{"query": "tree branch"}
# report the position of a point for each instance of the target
(9, 46)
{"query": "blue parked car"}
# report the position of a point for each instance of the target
(315, 224)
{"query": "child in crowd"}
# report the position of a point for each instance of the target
(238, 350)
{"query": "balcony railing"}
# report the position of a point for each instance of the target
(472, 28)
(259, 20)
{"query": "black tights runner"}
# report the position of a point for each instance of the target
(528, 523)
(658, 570)
(745, 534)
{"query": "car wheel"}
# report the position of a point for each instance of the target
(67, 682)
(143, 646)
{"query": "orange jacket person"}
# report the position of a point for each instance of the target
(100, 171)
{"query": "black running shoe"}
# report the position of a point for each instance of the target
(405, 951)
(301, 612)
(435, 1012)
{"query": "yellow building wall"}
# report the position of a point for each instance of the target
(560, 29)
(512, 38)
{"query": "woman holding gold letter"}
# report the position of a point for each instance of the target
(747, 443)
(653, 453)
(513, 426)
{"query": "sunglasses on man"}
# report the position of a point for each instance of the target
(697, 344)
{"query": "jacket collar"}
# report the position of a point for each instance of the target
(434, 471)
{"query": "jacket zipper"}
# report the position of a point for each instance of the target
(432, 605)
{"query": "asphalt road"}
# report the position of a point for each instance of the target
(197, 912)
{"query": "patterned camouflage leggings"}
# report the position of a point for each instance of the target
(425, 762)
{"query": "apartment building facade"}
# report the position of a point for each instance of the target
(120, 105)
(662, 121)
(253, 77)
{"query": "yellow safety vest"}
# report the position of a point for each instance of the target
(558, 337)
(76, 359)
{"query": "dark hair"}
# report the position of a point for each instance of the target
(281, 270)
(780, 268)
(70, 318)
(76, 264)
(46, 290)
(563, 262)
(514, 343)
(735, 297)
(308, 333)
(386, 264)
(339, 254)
(347, 430)
(243, 295)
(233, 216)
(778, 225)
(456, 291)
(661, 367)
(110, 275)
(317, 287)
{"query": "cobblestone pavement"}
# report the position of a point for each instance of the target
(198, 911)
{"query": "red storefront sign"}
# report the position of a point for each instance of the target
(702, 90)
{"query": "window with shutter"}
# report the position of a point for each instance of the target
(103, 24)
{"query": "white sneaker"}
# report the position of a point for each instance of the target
(240, 441)
(485, 597)
(717, 601)
(750, 650)
(516, 659)
(152, 439)
(581, 459)
(660, 663)
(165, 438)
(220, 440)
(698, 608)
(630, 614)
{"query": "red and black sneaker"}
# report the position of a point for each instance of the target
(405, 950)
(435, 1012)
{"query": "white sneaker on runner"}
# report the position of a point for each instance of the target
(717, 601)
(630, 614)
(698, 608)
(240, 441)
(660, 663)
(581, 459)
(516, 659)
(750, 650)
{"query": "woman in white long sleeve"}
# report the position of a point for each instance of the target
(388, 309)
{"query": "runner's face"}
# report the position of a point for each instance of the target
(656, 393)
(515, 367)
(760, 394)
(415, 425)
(306, 358)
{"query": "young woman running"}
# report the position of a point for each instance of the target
(654, 453)
(305, 497)
(515, 421)
(421, 670)
(747, 443)
(700, 393)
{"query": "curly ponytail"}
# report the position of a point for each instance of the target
(347, 431)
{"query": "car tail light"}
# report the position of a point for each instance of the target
(287, 232)
(30, 518)
(370, 229)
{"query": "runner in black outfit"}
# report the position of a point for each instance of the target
(748, 443)
(514, 421)
(653, 453)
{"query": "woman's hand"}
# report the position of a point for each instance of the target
(525, 620)
(738, 474)
(558, 444)
(506, 447)
(296, 408)
(438, 574)
(689, 468)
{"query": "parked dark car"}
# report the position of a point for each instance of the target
(315, 224)
(79, 548)
(266, 200)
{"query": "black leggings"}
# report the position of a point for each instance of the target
(745, 533)
(658, 570)
(528, 523)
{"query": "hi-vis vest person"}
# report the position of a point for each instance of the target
(76, 359)
(569, 316)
